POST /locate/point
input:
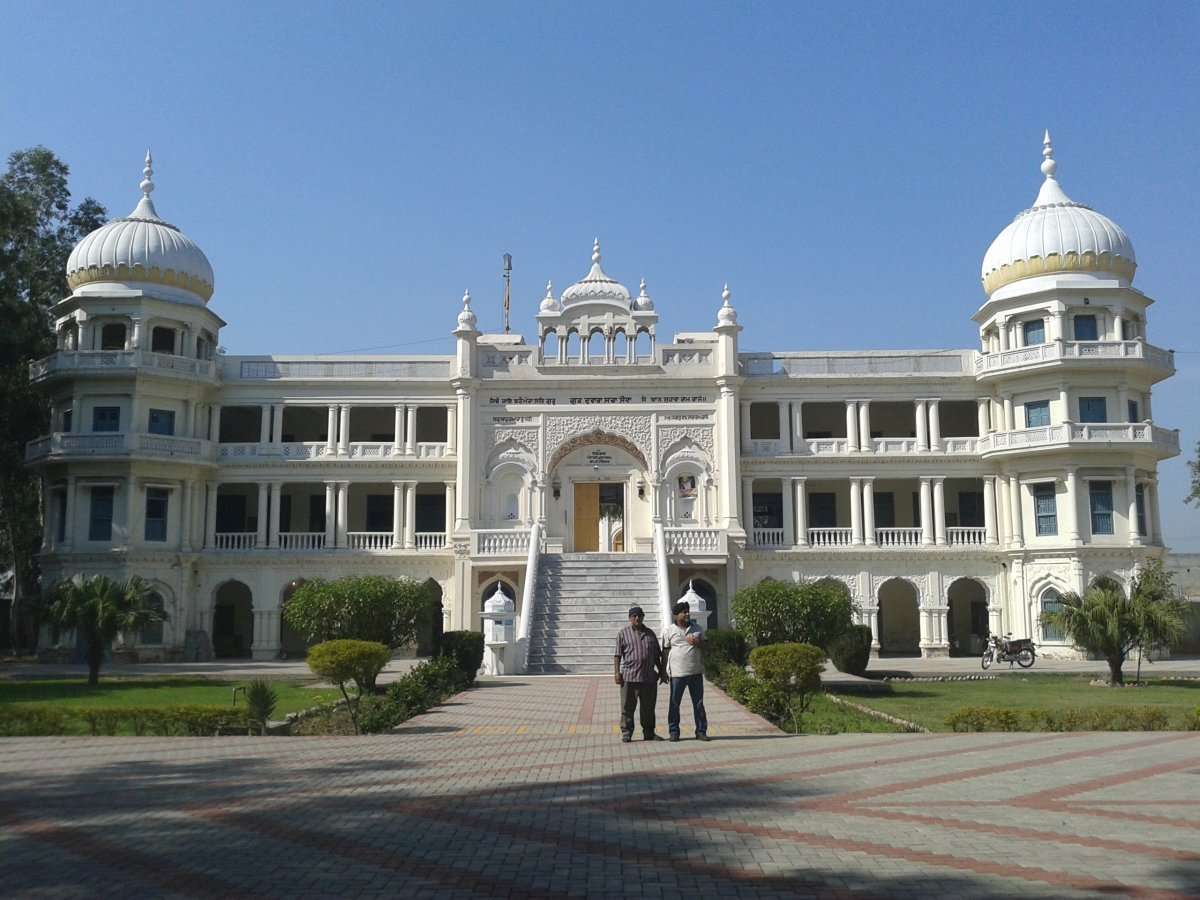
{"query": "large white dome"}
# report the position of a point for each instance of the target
(1057, 235)
(141, 248)
(596, 285)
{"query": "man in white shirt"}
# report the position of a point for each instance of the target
(683, 663)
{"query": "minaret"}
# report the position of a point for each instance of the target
(728, 381)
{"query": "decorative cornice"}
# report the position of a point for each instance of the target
(1054, 262)
(153, 275)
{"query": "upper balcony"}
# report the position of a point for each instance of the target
(121, 362)
(1162, 442)
(925, 364)
(118, 445)
(1160, 363)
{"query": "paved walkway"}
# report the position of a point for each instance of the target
(520, 788)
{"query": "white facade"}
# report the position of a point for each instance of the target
(953, 492)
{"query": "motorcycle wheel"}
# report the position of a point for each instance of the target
(1025, 658)
(986, 659)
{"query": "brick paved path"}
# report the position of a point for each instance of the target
(521, 789)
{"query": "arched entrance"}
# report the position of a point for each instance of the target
(233, 621)
(899, 622)
(292, 644)
(967, 618)
(600, 494)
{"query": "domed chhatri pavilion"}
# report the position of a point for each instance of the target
(954, 493)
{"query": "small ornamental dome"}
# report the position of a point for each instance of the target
(643, 301)
(549, 304)
(466, 318)
(141, 249)
(726, 315)
(596, 285)
(1057, 235)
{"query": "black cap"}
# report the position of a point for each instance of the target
(636, 611)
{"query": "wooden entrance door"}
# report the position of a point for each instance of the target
(587, 517)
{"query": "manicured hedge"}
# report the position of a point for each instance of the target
(723, 646)
(1098, 718)
(466, 649)
(29, 720)
(428, 684)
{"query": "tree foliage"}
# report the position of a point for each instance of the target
(359, 607)
(38, 230)
(344, 662)
(1108, 624)
(787, 676)
(777, 612)
(98, 608)
(1194, 467)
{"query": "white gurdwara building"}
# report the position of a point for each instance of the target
(955, 493)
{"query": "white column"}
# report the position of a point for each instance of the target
(410, 514)
(343, 512)
(856, 518)
(135, 336)
(789, 514)
(1153, 512)
(71, 502)
(397, 515)
(398, 429)
(864, 426)
(799, 485)
(1135, 539)
(1072, 511)
(868, 502)
(744, 424)
(210, 516)
(983, 405)
(784, 428)
(922, 426)
(927, 535)
(923, 620)
(1004, 511)
(935, 427)
(1122, 404)
(939, 510)
(135, 514)
(331, 428)
(449, 511)
(410, 432)
(1119, 324)
(330, 513)
(1009, 424)
(189, 417)
(276, 518)
(451, 430)
(748, 506)
(798, 443)
(264, 424)
(727, 456)
(277, 423)
(185, 515)
(1064, 404)
(260, 539)
(344, 431)
(852, 426)
(1015, 515)
(989, 508)
(1147, 410)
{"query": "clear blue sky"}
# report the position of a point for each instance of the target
(349, 169)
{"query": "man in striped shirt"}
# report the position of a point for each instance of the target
(637, 669)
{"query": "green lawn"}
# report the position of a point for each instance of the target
(826, 717)
(929, 702)
(293, 695)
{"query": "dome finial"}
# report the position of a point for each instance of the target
(596, 251)
(147, 184)
(726, 315)
(1049, 166)
(466, 318)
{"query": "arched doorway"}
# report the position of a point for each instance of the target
(233, 621)
(292, 644)
(899, 622)
(967, 618)
(429, 631)
(599, 493)
(490, 588)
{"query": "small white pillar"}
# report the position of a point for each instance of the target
(276, 504)
(852, 426)
(398, 429)
(1135, 538)
(989, 508)
(185, 515)
(789, 521)
(449, 511)
(939, 510)
(397, 515)
(451, 430)
(983, 404)
(1072, 505)
(784, 430)
(410, 515)
(264, 423)
(927, 534)
(865, 443)
(748, 506)
(868, 502)
(277, 423)
(410, 432)
(856, 519)
(922, 426)
(799, 445)
(935, 427)
(260, 539)
(800, 487)
(331, 430)
(330, 514)
(343, 511)
(744, 423)
(344, 431)
(1015, 521)
(210, 518)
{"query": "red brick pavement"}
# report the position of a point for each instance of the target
(520, 788)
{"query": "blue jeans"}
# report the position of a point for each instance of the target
(694, 684)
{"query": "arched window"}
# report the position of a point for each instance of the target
(620, 347)
(596, 347)
(573, 345)
(642, 345)
(152, 634)
(162, 339)
(112, 336)
(550, 346)
(1052, 602)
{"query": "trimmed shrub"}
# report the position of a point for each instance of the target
(723, 646)
(27, 720)
(851, 651)
(787, 676)
(983, 718)
(345, 661)
(360, 607)
(1100, 718)
(466, 649)
(261, 701)
(428, 684)
(781, 612)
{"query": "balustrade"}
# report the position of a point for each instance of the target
(829, 537)
(76, 360)
(501, 542)
(302, 540)
(430, 540)
(966, 536)
(1073, 350)
(898, 537)
(768, 537)
(234, 540)
(369, 540)
(695, 540)
(107, 442)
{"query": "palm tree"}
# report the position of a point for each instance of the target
(1106, 623)
(98, 608)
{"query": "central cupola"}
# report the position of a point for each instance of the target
(596, 285)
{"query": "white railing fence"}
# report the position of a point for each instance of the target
(234, 540)
(430, 540)
(829, 537)
(963, 536)
(369, 540)
(501, 542)
(768, 537)
(898, 537)
(301, 540)
(694, 540)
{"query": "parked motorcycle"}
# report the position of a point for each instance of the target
(1020, 651)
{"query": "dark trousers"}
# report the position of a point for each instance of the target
(694, 684)
(632, 694)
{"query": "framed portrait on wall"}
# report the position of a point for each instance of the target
(687, 486)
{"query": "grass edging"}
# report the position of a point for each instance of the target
(877, 714)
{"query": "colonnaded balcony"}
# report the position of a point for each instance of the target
(1094, 355)
(372, 517)
(879, 513)
(784, 427)
(68, 363)
(301, 431)
(1081, 436)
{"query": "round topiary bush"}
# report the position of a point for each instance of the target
(359, 607)
(778, 612)
(466, 648)
(851, 652)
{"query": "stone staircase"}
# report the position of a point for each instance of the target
(583, 600)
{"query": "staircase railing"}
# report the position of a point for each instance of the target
(660, 562)
(528, 597)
